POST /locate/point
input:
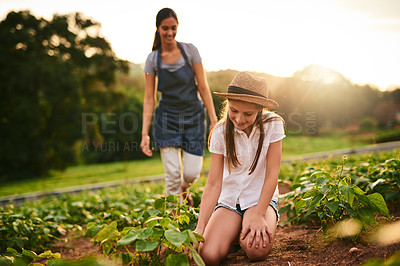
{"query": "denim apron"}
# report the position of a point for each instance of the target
(179, 119)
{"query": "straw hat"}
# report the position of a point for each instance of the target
(249, 88)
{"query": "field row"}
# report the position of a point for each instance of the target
(137, 224)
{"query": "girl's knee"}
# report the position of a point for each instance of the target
(258, 254)
(210, 255)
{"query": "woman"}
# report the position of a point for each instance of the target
(179, 122)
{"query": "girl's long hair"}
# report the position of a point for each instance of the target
(161, 15)
(262, 117)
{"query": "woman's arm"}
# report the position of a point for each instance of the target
(148, 109)
(211, 191)
(255, 223)
(205, 93)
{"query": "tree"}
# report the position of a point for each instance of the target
(51, 73)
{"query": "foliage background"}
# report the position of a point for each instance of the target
(66, 98)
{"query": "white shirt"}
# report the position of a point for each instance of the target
(238, 187)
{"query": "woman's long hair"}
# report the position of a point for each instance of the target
(161, 15)
(262, 118)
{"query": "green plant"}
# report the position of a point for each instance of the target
(163, 235)
(13, 257)
(393, 260)
(324, 198)
(381, 177)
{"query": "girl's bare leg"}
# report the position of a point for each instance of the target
(260, 253)
(221, 231)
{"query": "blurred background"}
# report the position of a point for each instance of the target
(71, 79)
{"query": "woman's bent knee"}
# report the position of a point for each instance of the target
(189, 177)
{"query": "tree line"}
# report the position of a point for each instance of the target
(67, 99)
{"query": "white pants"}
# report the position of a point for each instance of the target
(175, 178)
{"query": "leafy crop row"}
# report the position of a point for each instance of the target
(162, 235)
(330, 191)
(136, 224)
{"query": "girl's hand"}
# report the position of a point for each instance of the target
(256, 229)
(198, 230)
(145, 145)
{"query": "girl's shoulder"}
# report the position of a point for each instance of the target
(219, 127)
(271, 116)
(273, 122)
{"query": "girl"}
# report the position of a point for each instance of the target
(240, 198)
(179, 122)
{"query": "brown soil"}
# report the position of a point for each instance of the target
(294, 245)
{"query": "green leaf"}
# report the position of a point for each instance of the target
(6, 261)
(321, 181)
(332, 206)
(145, 233)
(126, 258)
(29, 254)
(108, 232)
(146, 245)
(177, 260)
(165, 222)
(199, 237)
(191, 237)
(157, 232)
(358, 190)
(183, 218)
(93, 230)
(378, 201)
(154, 221)
(299, 205)
(366, 215)
(160, 204)
(309, 211)
(49, 254)
(284, 209)
(175, 237)
(153, 212)
(348, 193)
(316, 200)
(12, 252)
(172, 199)
(196, 257)
(364, 200)
(310, 193)
(129, 238)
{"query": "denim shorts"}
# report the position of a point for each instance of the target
(239, 211)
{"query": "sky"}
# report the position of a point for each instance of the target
(358, 38)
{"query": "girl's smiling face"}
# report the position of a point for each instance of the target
(243, 114)
(168, 29)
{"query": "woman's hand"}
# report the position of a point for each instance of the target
(256, 229)
(145, 145)
(211, 126)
